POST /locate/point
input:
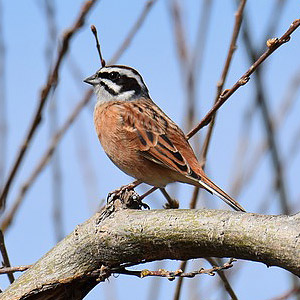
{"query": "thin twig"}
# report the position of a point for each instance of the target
(275, 18)
(224, 279)
(6, 270)
(242, 179)
(172, 203)
(221, 82)
(196, 57)
(56, 174)
(155, 284)
(183, 264)
(44, 160)
(181, 45)
(178, 288)
(94, 31)
(280, 184)
(52, 80)
(5, 257)
(171, 275)
(273, 45)
(232, 47)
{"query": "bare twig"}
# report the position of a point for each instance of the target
(241, 179)
(224, 279)
(155, 284)
(14, 269)
(190, 60)
(181, 45)
(272, 44)
(44, 160)
(171, 275)
(178, 288)
(274, 21)
(183, 264)
(263, 105)
(232, 47)
(195, 58)
(5, 257)
(270, 31)
(94, 31)
(52, 80)
(221, 82)
(56, 180)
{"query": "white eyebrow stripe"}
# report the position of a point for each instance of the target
(115, 87)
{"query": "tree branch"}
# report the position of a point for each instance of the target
(115, 238)
(272, 44)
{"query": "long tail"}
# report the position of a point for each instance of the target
(214, 189)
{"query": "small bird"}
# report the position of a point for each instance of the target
(140, 138)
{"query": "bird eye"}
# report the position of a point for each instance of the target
(114, 75)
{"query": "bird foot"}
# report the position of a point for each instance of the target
(128, 197)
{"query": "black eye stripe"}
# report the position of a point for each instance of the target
(105, 75)
(115, 76)
(126, 83)
(129, 84)
(107, 88)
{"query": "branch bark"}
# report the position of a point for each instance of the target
(115, 237)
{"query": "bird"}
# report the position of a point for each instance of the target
(139, 138)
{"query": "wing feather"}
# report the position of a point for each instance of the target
(156, 134)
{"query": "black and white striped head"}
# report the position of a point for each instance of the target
(120, 83)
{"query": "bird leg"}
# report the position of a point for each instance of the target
(123, 188)
(172, 203)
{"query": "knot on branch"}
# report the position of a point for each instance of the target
(272, 42)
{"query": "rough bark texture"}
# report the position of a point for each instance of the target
(115, 238)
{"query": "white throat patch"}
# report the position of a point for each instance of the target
(104, 96)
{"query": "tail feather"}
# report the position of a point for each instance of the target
(214, 189)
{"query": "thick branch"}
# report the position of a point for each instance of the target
(131, 237)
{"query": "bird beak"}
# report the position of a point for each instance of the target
(91, 80)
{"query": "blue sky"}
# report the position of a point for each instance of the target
(153, 53)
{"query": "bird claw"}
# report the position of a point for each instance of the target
(144, 205)
(128, 197)
(118, 193)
